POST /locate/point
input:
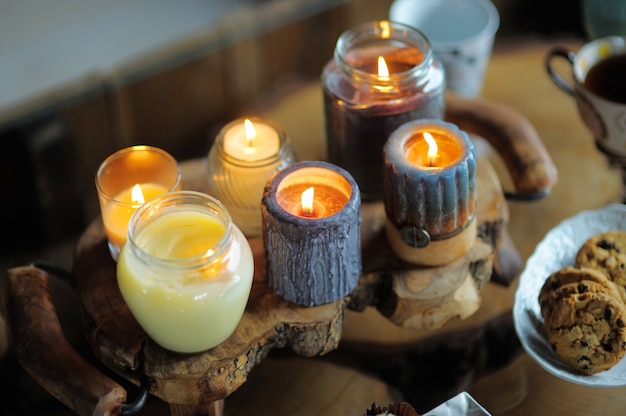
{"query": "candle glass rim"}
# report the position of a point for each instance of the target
(171, 199)
(274, 185)
(124, 153)
(372, 31)
(284, 144)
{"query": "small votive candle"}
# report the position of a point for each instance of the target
(245, 154)
(430, 192)
(186, 271)
(382, 75)
(311, 231)
(127, 179)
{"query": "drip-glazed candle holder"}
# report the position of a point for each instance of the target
(430, 201)
(312, 255)
(238, 168)
(364, 100)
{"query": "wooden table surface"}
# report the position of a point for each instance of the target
(516, 77)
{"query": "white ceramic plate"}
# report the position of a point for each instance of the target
(558, 249)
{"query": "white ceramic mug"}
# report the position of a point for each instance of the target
(461, 32)
(605, 118)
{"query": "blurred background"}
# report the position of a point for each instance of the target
(81, 79)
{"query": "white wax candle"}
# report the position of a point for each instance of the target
(251, 145)
(238, 170)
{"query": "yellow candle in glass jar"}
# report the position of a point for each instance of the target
(185, 272)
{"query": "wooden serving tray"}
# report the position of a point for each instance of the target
(197, 383)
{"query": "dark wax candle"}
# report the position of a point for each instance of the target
(430, 191)
(312, 254)
(363, 105)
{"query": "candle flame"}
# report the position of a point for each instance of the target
(137, 195)
(433, 149)
(250, 132)
(307, 200)
(383, 70)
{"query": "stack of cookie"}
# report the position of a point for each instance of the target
(584, 306)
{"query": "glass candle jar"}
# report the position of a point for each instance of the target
(383, 74)
(185, 271)
(127, 179)
(239, 164)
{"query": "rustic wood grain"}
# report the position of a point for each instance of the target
(193, 379)
(43, 351)
(514, 138)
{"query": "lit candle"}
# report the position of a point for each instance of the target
(383, 75)
(430, 192)
(312, 241)
(251, 142)
(128, 200)
(186, 271)
(127, 179)
(243, 157)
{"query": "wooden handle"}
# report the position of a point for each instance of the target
(42, 350)
(513, 137)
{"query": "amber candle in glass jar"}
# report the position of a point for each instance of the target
(383, 74)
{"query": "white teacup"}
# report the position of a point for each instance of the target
(603, 110)
(461, 33)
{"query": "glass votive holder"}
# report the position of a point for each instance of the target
(127, 179)
(186, 271)
(245, 154)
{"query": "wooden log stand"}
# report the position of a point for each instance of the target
(197, 384)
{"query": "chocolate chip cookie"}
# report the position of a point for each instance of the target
(573, 280)
(588, 331)
(606, 251)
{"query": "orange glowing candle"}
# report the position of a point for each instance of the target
(127, 179)
(321, 200)
(433, 150)
(311, 232)
(430, 191)
(116, 214)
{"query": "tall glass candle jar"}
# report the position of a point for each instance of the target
(245, 154)
(185, 271)
(383, 74)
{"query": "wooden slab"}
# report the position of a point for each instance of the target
(119, 342)
(428, 297)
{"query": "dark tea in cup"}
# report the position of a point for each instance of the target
(607, 78)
